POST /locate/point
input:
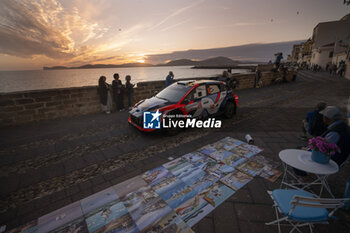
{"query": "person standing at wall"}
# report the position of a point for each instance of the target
(105, 95)
(334, 69)
(117, 88)
(169, 79)
(257, 80)
(284, 70)
(330, 68)
(231, 82)
(342, 68)
(279, 57)
(129, 87)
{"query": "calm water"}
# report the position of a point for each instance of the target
(11, 81)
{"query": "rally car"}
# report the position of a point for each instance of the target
(199, 99)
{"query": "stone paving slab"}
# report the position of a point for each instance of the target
(225, 218)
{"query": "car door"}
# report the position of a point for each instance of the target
(194, 104)
(214, 98)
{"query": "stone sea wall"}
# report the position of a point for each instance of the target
(31, 106)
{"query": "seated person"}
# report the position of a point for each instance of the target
(337, 132)
(313, 124)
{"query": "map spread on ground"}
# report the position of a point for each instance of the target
(169, 198)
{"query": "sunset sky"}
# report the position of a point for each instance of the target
(41, 33)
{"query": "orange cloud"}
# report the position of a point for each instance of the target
(45, 31)
(29, 28)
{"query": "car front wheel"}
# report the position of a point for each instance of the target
(229, 110)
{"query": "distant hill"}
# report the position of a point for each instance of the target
(55, 68)
(179, 62)
(248, 52)
(216, 57)
(97, 66)
(211, 62)
(217, 61)
(136, 64)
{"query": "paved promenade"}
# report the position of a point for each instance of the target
(46, 166)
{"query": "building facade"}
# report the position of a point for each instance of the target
(340, 52)
(347, 71)
(323, 55)
(328, 42)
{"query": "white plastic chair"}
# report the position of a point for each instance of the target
(300, 208)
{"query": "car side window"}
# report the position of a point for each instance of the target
(222, 87)
(200, 92)
(213, 89)
(190, 96)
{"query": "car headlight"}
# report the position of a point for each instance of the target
(138, 103)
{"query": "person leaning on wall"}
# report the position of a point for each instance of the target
(129, 88)
(118, 94)
(257, 78)
(105, 95)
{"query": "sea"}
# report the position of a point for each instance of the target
(13, 81)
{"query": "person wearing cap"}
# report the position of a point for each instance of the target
(337, 132)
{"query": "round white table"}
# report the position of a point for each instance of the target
(301, 159)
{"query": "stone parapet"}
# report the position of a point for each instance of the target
(31, 106)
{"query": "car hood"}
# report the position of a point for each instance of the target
(148, 105)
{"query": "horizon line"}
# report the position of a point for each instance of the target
(171, 52)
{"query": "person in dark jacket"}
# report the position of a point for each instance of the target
(257, 80)
(337, 132)
(169, 79)
(313, 124)
(279, 57)
(118, 94)
(129, 88)
(105, 95)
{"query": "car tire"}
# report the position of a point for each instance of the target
(204, 115)
(230, 110)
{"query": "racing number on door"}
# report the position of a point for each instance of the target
(213, 99)
(196, 108)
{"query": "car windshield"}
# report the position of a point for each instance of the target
(173, 93)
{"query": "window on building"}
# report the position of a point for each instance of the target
(331, 54)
